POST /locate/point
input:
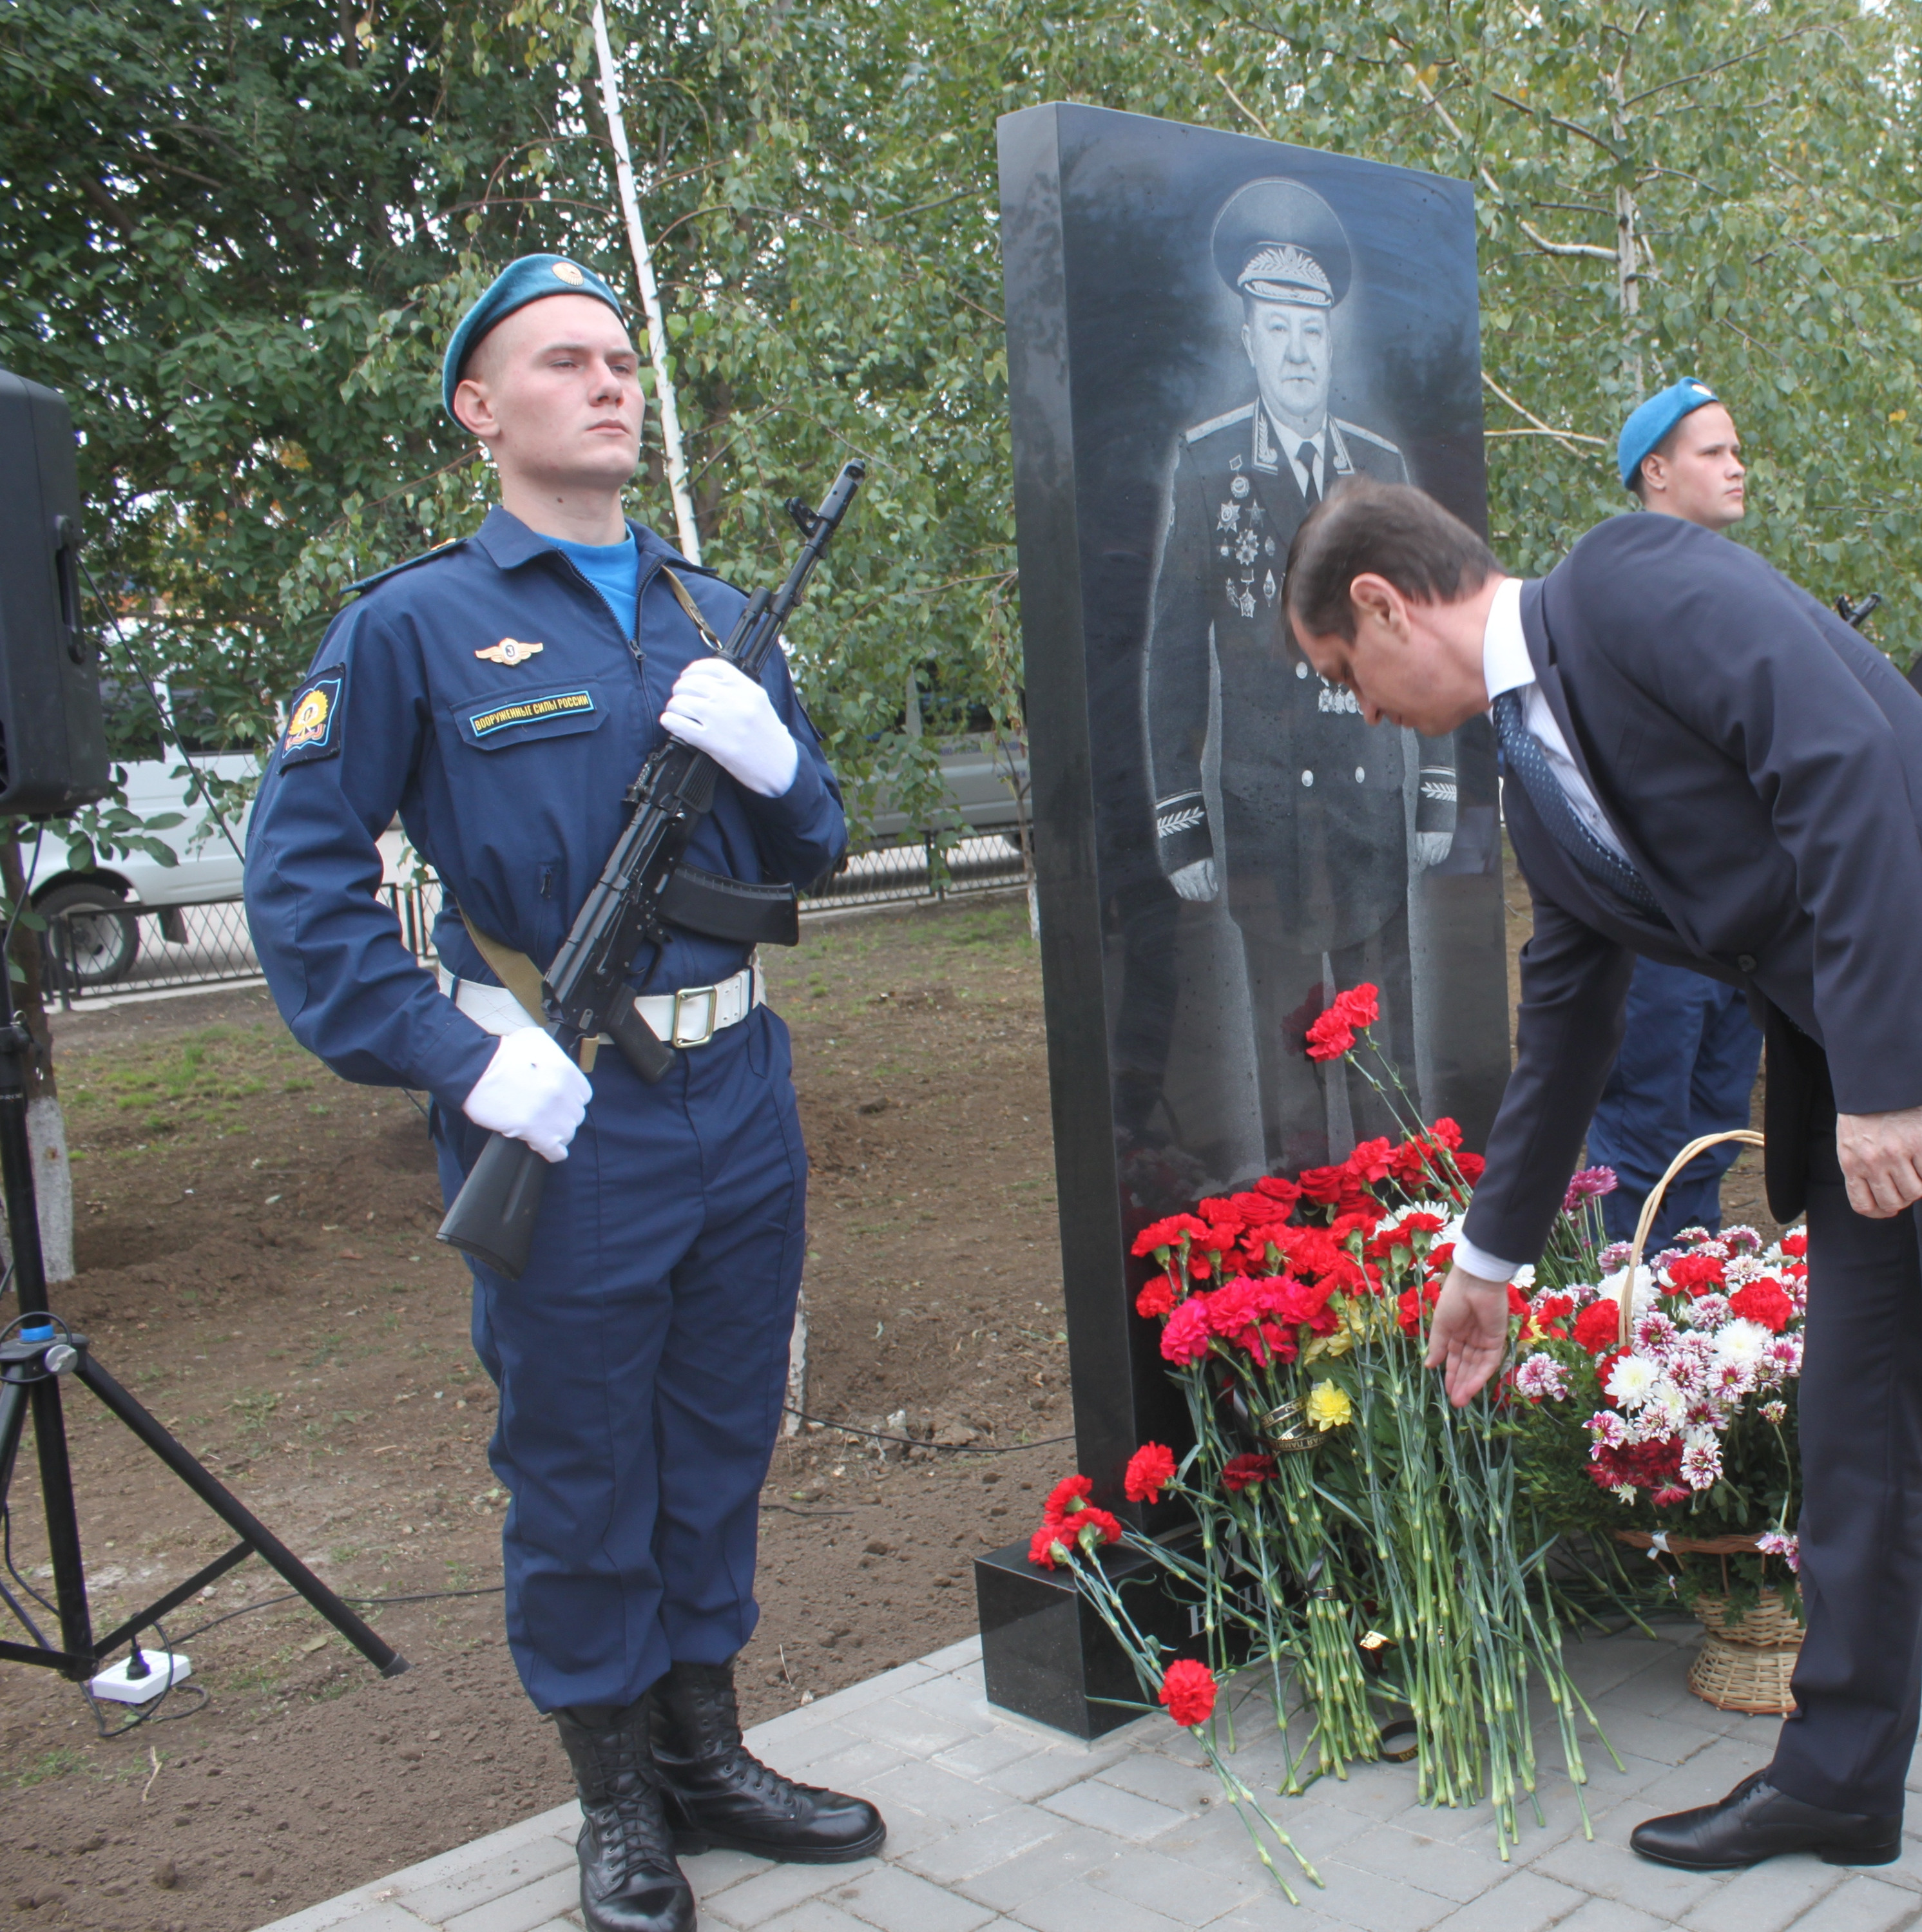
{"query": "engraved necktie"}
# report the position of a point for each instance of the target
(1522, 753)
(1305, 457)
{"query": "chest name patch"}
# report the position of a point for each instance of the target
(529, 711)
(311, 732)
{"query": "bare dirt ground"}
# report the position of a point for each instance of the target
(258, 1265)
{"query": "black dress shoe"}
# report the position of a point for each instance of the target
(720, 1796)
(629, 1880)
(1756, 1822)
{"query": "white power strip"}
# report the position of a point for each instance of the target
(164, 1668)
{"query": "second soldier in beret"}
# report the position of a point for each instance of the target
(1314, 844)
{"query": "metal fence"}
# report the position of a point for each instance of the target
(114, 950)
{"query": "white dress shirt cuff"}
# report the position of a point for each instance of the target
(1470, 1258)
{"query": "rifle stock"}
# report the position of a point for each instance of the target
(493, 1216)
(584, 991)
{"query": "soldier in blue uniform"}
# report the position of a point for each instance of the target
(500, 694)
(1315, 843)
(1689, 1052)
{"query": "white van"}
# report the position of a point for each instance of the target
(100, 943)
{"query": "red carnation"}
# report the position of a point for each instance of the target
(1071, 1493)
(1470, 1166)
(1150, 1470)
(1447, 1132)
(1046, 1546)
(1549, 1313)
(1764, 1301)
(1186, 1338)
(1330, 1037)
(1243, 1472)
(1370, 1161)
(1697, 1275)
(1188, 1689)
(1797, 1245)
(1157, 1297)
(1091, 1526)
(1598, 1327)
(1168, 1232)
(1360, 1006)
(1412, 1304)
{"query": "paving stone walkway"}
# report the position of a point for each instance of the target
(997, 1826)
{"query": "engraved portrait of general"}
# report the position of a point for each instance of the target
(1311, 824)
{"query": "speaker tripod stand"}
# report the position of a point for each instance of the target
(40, 1353)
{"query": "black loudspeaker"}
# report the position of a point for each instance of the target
(52, 737)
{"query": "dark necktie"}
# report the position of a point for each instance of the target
(1522, 753)
(1305, 456)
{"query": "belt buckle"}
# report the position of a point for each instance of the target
(689, 995)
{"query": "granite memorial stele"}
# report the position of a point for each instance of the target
(1208, 333)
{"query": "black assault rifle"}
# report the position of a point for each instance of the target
(641, 888)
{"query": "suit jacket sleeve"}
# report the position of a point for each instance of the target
(1175, 681)
(1574, 983)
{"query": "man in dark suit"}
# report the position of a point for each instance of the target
(1706, 766)
(1315, 840)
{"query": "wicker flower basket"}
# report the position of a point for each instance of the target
(1744, 1666)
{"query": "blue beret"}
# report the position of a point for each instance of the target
(1644, 430)
(527, 281)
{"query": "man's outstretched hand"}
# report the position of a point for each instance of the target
(1882, 1160)
(1468, 1333)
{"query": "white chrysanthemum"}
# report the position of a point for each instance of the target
(1645, 1289)
(1744, 1344)
(1630, 1380)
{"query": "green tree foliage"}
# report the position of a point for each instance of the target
(239, 243)
(204, 211)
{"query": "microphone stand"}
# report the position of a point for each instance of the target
(39, 1352)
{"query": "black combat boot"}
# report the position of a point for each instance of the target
(629, 1882)
(718, 1795)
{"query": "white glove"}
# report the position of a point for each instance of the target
(532, 1092)
(1431, 848)
(1196, 881)
(723, 711)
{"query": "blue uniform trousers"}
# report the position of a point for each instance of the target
(1686, 1068)
(642, 1362)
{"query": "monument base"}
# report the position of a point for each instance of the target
(1045, 1651)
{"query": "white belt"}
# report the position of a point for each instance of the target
(689, 1017)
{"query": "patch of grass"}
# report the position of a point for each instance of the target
(61, 1762)
(256, 1410)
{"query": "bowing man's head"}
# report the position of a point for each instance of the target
(1388, 594)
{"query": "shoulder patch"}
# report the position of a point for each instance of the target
(1213, 423)
(1368, 436)
(313, 727)
(367, 583)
